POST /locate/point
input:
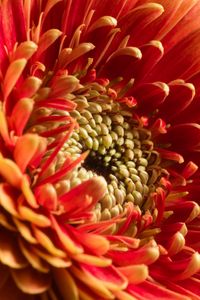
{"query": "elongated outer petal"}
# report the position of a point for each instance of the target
(69, 55)
(11, 172)
(115, 64)
(29, 87)
(45, 241)
(180, 97)
(64, 85)
(25, 50)
(21, 113)
(48, 38)
(66, 284)
(94, 188)
(10, 255)
(97, 286)
(135, 273)
(25, 149)
(144, 255)
(34, 260)
(47, 196)
(33, 217)
(150, 96)
(52, 260)
(183, 142)
(13, 73)
(4, 127)
(31, 281)
(110, 277)
(97, 244)
(149, 290)
(92, 260)
(102, 22)
(65, 239)
(137, 20)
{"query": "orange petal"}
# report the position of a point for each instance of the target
(35, 261)
(29, 87)
(11, 172)
(7, 200)
(33, 217)
(6, 222)
(66, 284)
(4, 126)
(10, 253)
(21, 114)
(46, 242)
(30, 281)
(96, 285)
(25, 231)
(25, 149)
(54, 261)
(47, 196)
(94, 188)
(93, 260)
(13, 73)
(135, 273)
(25, 50)
(48, 38)
(72, 54)
(64, 85)
(97, 244)
(65, 239)
(121, 295)
(28, 194)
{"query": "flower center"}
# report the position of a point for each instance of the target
(120, 150)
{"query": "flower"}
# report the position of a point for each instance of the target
(99, 149)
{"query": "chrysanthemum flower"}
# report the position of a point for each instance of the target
(99, 149)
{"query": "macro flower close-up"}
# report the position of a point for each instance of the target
(99, 149)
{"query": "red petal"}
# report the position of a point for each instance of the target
(149, 290)
(94, 188)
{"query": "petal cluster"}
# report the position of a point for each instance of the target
(144, 54)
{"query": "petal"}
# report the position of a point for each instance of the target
(135, 274)
(94, 188)
(144, 255)
(7, 199)
(29, 87)
(13, 73)
(66, 284)
(25, 50)
(34, 260)
(52, 260)
(25, 231)
(33, 217)
(10, 254)
(65, 239)
(48, 38)
(138, 19)
(45, 241)
(180, 97)
(92, 260)
(26, 149)
(31, 281)
(149, 290)
(188, 140)
(21, 114)
(150, 95)
(114, 66)
(109, 276)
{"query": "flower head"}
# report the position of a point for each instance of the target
(99, 149)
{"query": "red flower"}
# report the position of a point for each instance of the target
(99, 149)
